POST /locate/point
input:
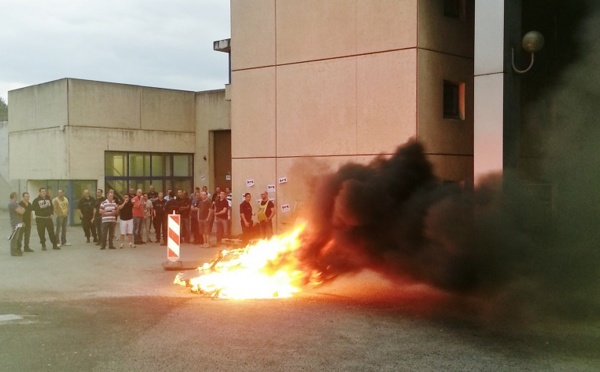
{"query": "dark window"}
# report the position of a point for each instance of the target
(455, 9)
(454, 100)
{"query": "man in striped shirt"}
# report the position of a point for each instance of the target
(109, 212)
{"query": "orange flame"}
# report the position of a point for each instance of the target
(267, 269)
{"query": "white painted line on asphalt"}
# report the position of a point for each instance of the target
(9, 317)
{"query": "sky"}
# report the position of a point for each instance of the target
(165, 44)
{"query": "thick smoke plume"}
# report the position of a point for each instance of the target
(499, 244)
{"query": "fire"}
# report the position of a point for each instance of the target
(267, 269)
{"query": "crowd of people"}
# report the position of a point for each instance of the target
(137, 213)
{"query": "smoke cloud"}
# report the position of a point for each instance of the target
(499, 245)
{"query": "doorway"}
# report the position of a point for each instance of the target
(222, 158)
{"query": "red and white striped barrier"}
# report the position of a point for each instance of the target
(173, 240)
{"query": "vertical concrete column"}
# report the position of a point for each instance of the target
(496, 112)
(489, 87)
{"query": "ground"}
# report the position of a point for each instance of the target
(83, 309)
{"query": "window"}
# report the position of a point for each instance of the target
(138, 170)
(182, 165)
(139, 165)
(455, 9)
(115, 165)
(159, 165)
(454, 100)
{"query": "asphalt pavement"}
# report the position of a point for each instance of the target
(84, 309)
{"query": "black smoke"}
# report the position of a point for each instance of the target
(503, 245)
(498, 244)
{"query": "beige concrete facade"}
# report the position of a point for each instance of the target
(344, 80)
(60, 130)
(213, 112)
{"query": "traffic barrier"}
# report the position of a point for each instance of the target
(173, 237)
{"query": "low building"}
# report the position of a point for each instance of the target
(76, 134)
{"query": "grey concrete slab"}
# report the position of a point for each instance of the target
(84, 309)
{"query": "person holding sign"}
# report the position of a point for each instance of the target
(266, 212)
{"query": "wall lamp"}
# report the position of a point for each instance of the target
(532, 42)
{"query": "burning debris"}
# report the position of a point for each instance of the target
(267, 269)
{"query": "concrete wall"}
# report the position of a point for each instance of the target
(213, 112)
(60, 130)
(38, 107)
(109, 105)
(328, 82)
(445, 53)
(6, 187)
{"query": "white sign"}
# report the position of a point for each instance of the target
(249, 183)
(202, 177)
(282, 179)
(285, 208)
(270, 188)
(228, 177)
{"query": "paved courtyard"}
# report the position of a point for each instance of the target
(83, 309)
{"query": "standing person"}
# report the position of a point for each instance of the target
(152, 196)
(15, 213)
(221, 215)
(194, 217)
(215, 197)
(205, 189)
(97, 217)
(42, 206)
(217, 193)
(117, 201)
(87, 208)
(138, 215)
(148, 206)
(246, 218)
(205, 212)
(108, 211)
(266, 212)
(159, 218)
(27, 209)
(126, 221)
(184, 204)
(61, 209)
(230, 201)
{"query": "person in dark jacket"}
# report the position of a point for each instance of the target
(87, 208)
(42, 206)
(246, 218)
(159, 218)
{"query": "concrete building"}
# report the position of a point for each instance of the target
(76, 134)
(337, 81)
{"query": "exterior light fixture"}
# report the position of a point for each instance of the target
(532, 42)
